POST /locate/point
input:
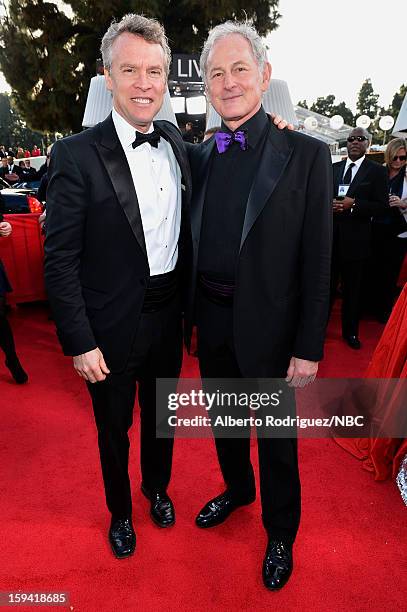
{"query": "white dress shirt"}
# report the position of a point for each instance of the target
(157, 180)
(354, 170)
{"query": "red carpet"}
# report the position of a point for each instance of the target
(348, 556)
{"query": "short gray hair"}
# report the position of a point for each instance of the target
(222, 30)
(150, 29)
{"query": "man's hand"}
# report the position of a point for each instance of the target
(91, 366)
(5, 229)
(280, 122)
(345, 204)
(301, 372)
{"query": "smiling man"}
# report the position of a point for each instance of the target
(261, 227)
(117, 234)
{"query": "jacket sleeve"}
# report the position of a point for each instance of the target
(316, 246)
(67, 199)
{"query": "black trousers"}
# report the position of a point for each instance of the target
(156, 353)
(351, 275)
(280, 487)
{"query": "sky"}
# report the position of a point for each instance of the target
(331, 46)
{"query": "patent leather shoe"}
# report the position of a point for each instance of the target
(218, 509)
(277, 564)
(353, 342)
(122, 538)
(162, 509)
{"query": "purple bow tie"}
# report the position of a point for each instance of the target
(225, 139)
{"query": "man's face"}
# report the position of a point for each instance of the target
(28, 163)
(10, 160)
(234, 83)
(137, 79)
(356, 148)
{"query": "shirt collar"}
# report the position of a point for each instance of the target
(126, 132)
(357, 163)
(255, 127)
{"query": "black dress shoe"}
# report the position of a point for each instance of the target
(353, 342)
(217, 510)
(122, 538)
(162, 509)
(16, 369)
(277, 564)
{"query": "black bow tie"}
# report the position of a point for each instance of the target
(153, 138)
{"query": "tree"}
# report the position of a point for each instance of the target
(59, 52)
(393, 110)
(303, 104)
(13, 129)
(324, 105)
(367, 103)
(397, 101)
(345, 112)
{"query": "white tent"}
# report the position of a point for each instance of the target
(400, 127)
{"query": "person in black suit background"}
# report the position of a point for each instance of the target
(117, 239)
(361, 191)
(261, 226)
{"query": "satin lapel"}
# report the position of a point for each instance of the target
(274, 159)
(180, 153)
(115, 162)
(199, 191)
(360, 175)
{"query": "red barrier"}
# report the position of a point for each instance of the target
(23, 256)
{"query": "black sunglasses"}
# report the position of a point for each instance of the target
(358, 138)
(400, 157)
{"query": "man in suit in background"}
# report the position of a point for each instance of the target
(117, 239)
(261, 227)
(360, 191)
(9, 171)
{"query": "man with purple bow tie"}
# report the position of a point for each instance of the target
(261, 228)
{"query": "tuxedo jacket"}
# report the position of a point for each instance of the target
(352, 228)
(15, 170)
(282, 276)
(96, 265)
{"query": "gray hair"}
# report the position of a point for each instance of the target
(222, 30)
(150, 29)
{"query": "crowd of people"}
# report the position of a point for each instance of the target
(19, 152)
(236, 233)
(21, 172)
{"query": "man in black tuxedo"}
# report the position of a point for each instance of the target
(9, 171)
(116, 243)
(261, 227)
(360, 191)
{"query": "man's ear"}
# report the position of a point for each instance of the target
(266, 76)
(108, 79)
